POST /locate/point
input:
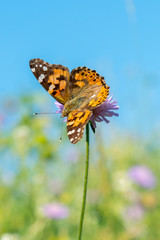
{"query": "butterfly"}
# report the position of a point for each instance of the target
(80, 92)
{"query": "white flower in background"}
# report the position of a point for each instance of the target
(121, 181)
(9, 236)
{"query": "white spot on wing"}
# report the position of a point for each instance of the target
(41, 77)
(79, 129)
(70, 123)
(51, 87)
(33, 69)
(44, 68)
(71, 132)
(72, 139)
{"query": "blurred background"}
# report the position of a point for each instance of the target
(41, 179)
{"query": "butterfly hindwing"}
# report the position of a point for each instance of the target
(54, 78)
(76, 123)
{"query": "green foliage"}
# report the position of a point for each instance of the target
(37, 169)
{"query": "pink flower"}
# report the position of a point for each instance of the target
(59, 106)
(101, 113)
(134, 212)
(143, 176)
(55, 211)
(105, 110)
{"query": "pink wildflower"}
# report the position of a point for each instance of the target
(55, 211)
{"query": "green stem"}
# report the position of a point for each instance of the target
(85, 184)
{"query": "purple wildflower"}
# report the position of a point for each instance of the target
(55, 211)
(59, 106)
(142, 175)
(134, 212)
(100, 113)
(105, 110)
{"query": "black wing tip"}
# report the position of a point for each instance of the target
(32, 61)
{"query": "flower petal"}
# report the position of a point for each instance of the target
(105, 110)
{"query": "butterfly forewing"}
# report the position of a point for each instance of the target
(85, 81)
(54, 78)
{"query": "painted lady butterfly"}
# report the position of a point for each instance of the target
(80, 92)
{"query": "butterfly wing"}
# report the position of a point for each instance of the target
(88, 84)
(76, 123)
(54, 78)
(82, 90)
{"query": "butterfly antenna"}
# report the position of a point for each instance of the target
(60, 139)
(44, 113)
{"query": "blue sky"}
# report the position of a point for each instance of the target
(120, 39)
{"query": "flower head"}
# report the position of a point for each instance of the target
(55, 211)
(104, 111)
(134, 212)
(100, 113)
(142, 175)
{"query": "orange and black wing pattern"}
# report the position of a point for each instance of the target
(54, 78)
(81, 91)
(88, 83)
(76, 123)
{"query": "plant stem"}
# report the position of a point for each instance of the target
(85, 184)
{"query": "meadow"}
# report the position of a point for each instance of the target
(41, 180)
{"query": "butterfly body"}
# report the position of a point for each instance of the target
(80, 92)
